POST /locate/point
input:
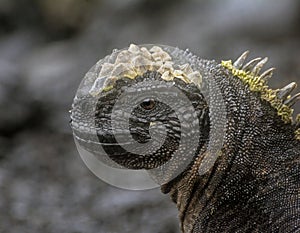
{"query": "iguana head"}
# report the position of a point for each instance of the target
(148, 107)
(226, 137)
(142, 107)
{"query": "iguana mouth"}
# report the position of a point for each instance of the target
(108, 149)
(80, 139)
(101, 140)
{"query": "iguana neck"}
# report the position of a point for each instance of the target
(246, 160)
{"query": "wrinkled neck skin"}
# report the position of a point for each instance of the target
(258, 150)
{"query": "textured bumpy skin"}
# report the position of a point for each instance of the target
(254, 184)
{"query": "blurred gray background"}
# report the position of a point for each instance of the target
(46, 47)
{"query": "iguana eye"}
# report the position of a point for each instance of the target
(148, 104)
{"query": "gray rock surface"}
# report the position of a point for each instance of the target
(45, 52)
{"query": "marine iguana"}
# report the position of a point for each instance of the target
(225, 145)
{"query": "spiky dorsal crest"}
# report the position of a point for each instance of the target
(280, 99)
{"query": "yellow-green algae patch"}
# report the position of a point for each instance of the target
(256, 84)
(297, 134)
(108, 88)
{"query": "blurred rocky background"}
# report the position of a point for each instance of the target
(46, 46)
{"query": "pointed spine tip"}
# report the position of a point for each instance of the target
(249, 66)
(267, 74)
(240, 60)
(291, 101)
(257, 68)
(284, 92)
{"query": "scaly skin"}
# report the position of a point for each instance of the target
(254, 183)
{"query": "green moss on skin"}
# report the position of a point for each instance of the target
(256, 84)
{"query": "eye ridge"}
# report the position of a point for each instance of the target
(148, 104)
